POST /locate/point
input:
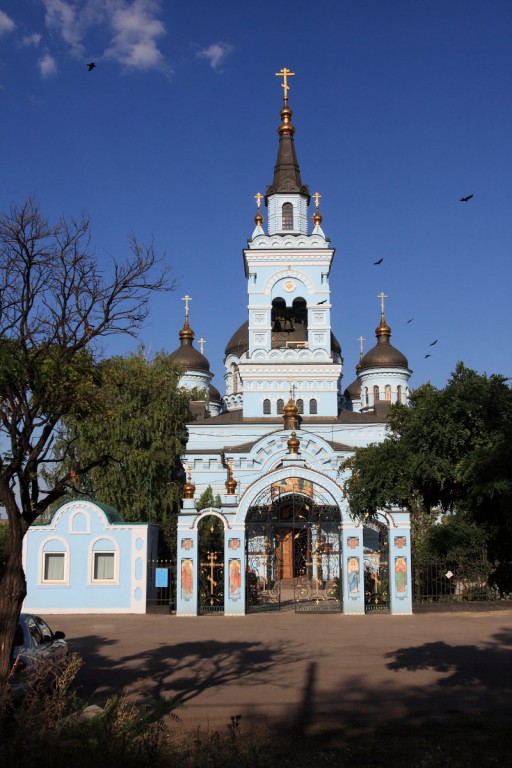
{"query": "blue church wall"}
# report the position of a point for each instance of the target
(85, 560)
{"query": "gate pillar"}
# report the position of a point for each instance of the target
(352, 568)
(400, 577)
(234, 571)
(187, 566)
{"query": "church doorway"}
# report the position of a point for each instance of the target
(293, 557)
(211, 565)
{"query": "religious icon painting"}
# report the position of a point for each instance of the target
(187, 579)
(353, 542)
(353, 575)
(187, 543)
(234, 543)
(399, 542)
(235, 579)
(401, 575)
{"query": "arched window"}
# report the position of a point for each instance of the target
(366, 398)
(266, 407)
(387, 392)
(287, 214)
(313, 407)
(280, 406)
(300, 406)
(399, 394)
(234, 383)
(375, 393)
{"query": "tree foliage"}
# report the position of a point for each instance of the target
(143, 433)
(450, 450)
(56, 305)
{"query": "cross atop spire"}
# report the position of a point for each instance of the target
(285, 74)
(360, 340)
(382, 296)
(201, 343)
(186, 299)
(258, 197)
(317, 197)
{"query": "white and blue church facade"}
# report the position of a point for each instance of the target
(280, 534)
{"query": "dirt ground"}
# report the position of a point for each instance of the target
(311, 672)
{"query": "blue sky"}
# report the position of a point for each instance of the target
(400, 108)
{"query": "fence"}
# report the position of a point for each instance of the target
(161, 594)
(449, 582)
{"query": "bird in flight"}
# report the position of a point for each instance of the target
(376, 263)
(465, 199)
(410, 321)
(432, 344)
(427, 356)
(91, 66)
(321, 302)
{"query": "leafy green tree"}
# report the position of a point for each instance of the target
(142, 431)
(56, 306)
(207, 499)
(449, 451)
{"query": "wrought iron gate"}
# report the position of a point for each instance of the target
(161, 589)
(211, 565)
(376, 566)
(293, 549)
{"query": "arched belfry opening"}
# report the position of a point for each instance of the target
(289, 323)
(293, 549)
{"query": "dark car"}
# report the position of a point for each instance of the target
(37, 652)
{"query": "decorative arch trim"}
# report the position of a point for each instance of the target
(277, 276)
(207, 512)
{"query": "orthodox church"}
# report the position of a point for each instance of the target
(278, 534)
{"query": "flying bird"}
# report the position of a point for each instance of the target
(465, 199)
(91, 66)
(321, 302)
(432, 344)
(376, 263)
(410, 321)
(427, 356)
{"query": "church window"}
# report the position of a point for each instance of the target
(280, 406)
(387, 391)
(300, 406)
(287, 214)
(266, 407)
(399, 394)
(366, 398)
(313, 406)
(235, 380)
(375, 393)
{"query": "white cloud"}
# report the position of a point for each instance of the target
(6, 23)
(132, 29)
(47, 66)
(29, 40)
(216, 53)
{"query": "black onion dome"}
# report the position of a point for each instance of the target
(383, 354)
(353, 391)
(186, 355)
(214, 394)
(239, 342)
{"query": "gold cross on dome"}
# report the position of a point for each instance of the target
(201, 343)
(258, 198)
(317, 197)
(382, 296)
(186, 299)
(360, 340)
(285, 73)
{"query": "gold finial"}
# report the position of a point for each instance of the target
(186, 299)
(360, 340)
(201, 343)
(293, 444)
(285, 74)
(290, 386)
(189, 488)
(258, 197)
(230, 483)
(382, 296)
(317, 197)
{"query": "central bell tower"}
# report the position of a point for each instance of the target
(287, 267)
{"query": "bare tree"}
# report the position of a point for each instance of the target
(55, 306)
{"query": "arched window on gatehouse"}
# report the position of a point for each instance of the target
(300, 405)
(375, 393)
(287, 215)
(267, 407)
(280, 406)
(387, 393)
(313, 407)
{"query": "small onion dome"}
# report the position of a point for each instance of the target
(230, 482)
(258, 219)
(317, 218)
(239, 342)
(383, 354)
(293, 443)
(353, 391)
(186, 355)
(291, 414)
(214, 394)
(189, 489)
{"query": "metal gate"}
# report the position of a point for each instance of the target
(211, 565)
(161, 587)
(293, 557)
(376, 566)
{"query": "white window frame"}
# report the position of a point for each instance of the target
(46, 580)
(92, 561)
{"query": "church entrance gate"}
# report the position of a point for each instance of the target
(211, 565)
(293, 550)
